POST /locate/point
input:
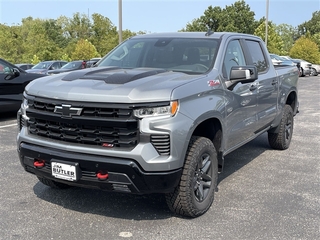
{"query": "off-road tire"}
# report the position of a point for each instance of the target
(281, 140)
(53, 184)
(195, 192)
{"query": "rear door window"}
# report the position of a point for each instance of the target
(257, 55)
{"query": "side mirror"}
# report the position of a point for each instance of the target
(12, 73)
(243, 74)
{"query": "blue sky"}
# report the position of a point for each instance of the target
(152, 15)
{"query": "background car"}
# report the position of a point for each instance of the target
(12, 83)
(315, 69)
(278, 60)
(70, 66)
(45, 66)
(296, 61)
(24, 66)
(305, 67)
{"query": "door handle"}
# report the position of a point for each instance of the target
(253, 87)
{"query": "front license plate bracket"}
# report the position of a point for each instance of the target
(69, 171)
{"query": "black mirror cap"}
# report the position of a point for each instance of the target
(243, 74)
(16, 72)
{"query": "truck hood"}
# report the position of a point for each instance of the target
(110, 84)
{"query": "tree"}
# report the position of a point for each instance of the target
(288, 35)
(312, 26)
(10, 39)
(306, 49)
(54, 32)
(77, 27)
(274, 43)
(316, 39)
(234, 18)
(36, 40)
(104, 34)
(237, 18)
(35, 60)
(84, 50)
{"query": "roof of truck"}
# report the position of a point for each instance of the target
(216, 35)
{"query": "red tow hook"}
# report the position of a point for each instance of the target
(102, 176)
(39, 163)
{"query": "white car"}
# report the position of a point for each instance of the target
(315, 69)
(305, 67)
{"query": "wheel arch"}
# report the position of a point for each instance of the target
(292, 100)
(211, 128)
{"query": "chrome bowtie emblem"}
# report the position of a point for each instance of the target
(67, 110)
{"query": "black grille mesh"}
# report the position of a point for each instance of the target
(161, 143)
(96, 125)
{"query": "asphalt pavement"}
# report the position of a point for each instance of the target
(262, 194)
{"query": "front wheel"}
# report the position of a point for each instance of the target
(281, 140)
(195, 192)
(314, 72)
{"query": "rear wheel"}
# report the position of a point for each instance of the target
(53, 184)
(281, 140)
(195, 192)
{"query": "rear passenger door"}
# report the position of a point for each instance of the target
(267, 84)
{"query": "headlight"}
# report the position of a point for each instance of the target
(157, 111)
(24, 107)
(25, 103)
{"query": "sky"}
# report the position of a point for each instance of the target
(153, 15)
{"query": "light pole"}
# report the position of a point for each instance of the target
(120, 20)
(267, 13)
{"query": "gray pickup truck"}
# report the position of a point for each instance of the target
(157, 115)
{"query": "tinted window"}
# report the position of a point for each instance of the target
(258, 58)
(55, 65)
(233, 57)
(4, 68)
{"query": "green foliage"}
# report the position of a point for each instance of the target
(234, 18)
(84, 50)
(66, 57)
(288, 35)
(316, 39)
(104, 34)
(312, 26)
(306, 49)
(274, 41)
(35, 60)
(77, 27)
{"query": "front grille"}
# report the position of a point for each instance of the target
(87, 111)
(161, 143)
(20, 121)
(98, 124)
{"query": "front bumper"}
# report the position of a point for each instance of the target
(125, 175)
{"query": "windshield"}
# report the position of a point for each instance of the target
(42, 65)
(175, 54)
(72, 65)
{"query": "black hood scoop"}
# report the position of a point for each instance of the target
(117, 76)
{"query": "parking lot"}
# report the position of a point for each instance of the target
(262, 194)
